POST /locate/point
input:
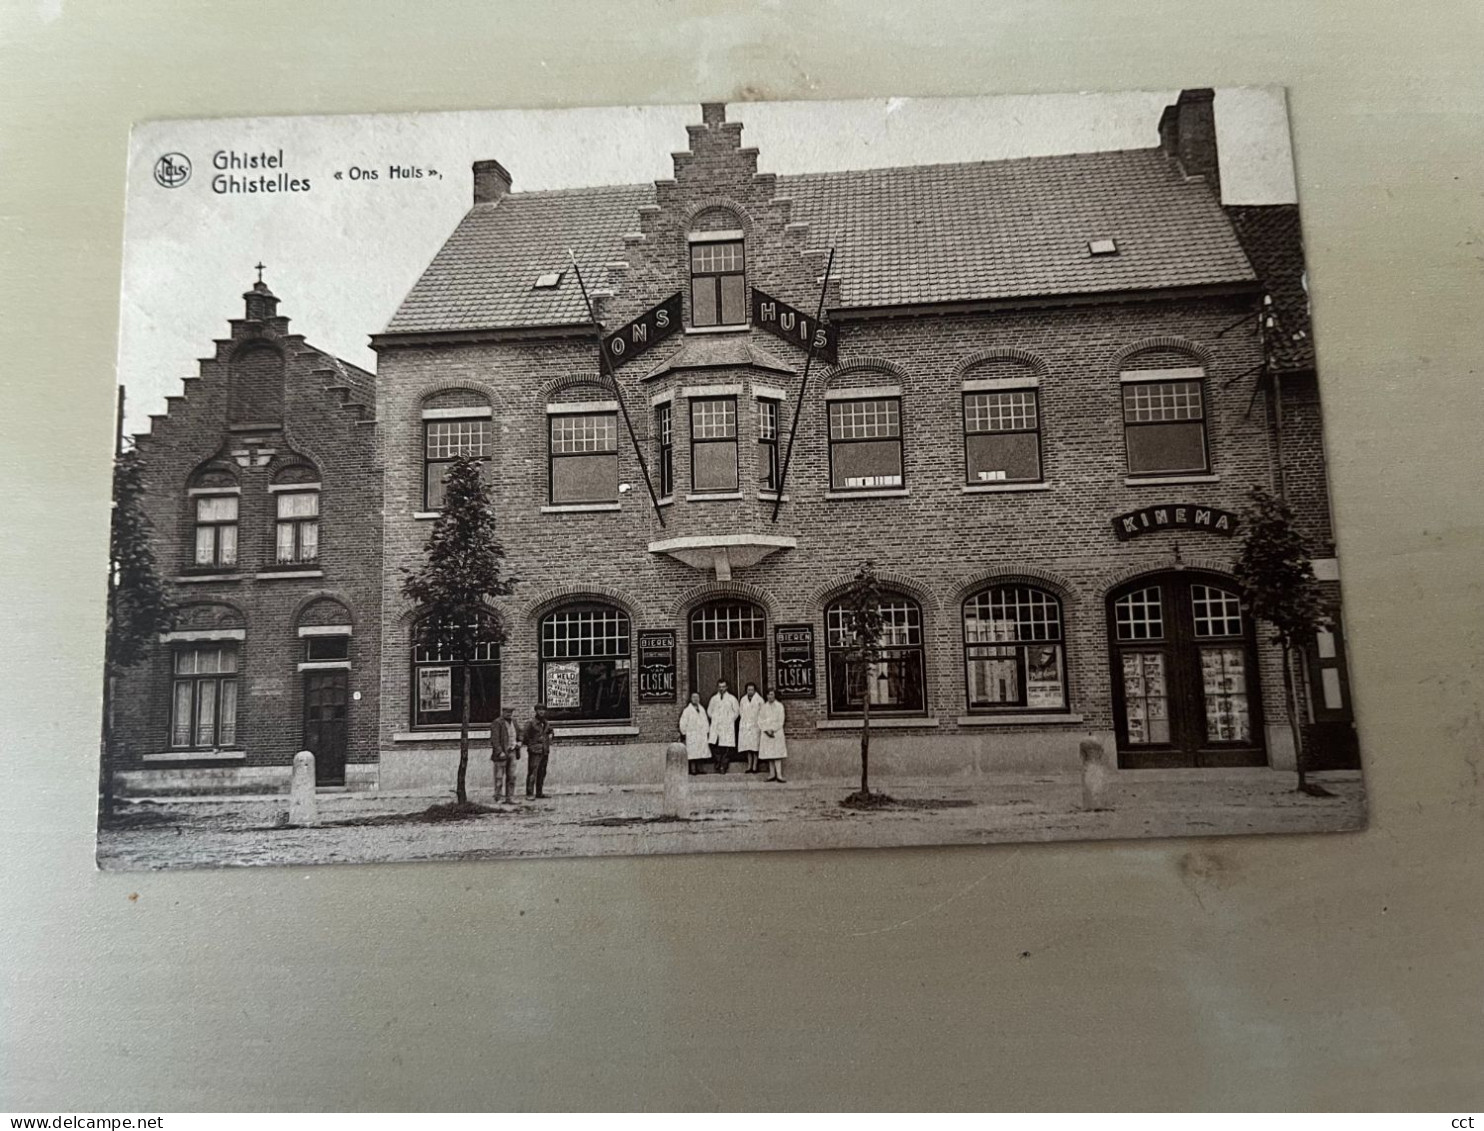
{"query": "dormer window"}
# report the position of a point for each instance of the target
(718, 279)
(547, 282)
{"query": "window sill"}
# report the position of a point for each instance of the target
(1003, 488)
(197, 756)
(198, 578)
(440, 735)
(323, 665)
(871, 493)
(579, 508)
(665, 500)
(740, 328)
(714, 497)
(772, 497)
(287, 574)
(578, 730)
(1016, 720)
(426, 516)
(1168, 480)
(887, 723)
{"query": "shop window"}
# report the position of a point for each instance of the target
(584, 457)
(894, 683)
(767, 445)
(585, 663)
(865, 444)
(1013, 650)
(438, 679)
(446, 440)
(203, 712)
(1002, 436)
(718, 283)
(1164, 427)
(713, 444)
(664, 431)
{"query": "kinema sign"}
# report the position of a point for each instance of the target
(1174, 516)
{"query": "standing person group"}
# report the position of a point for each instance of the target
(752, 726)
(508, 741)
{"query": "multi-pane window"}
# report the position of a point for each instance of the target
(1013, 649)
(203, 711)
(216, 530)
(713, 444)
(585, 663)
(727, 620)
(446, 441)
(1164, 427)
(718, 289)
(297, 527)
(438, 679)
(584, 457)
(664, 430)
(767, 445)
(1002, 436)
(1139, 616)
(865, 444)
(894, 681)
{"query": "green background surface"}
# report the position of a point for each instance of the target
(1329, 971)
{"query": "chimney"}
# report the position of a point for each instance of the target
(262, 304)
(1187, 132)
(713, 114)
(491, 182)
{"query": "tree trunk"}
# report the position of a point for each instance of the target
(1293, 724)
(866, 736)
(463, 789)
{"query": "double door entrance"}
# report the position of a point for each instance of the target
(1185, 686)
(727, 641)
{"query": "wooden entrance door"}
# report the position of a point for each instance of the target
(727, 641)
(326, 723)
(1184, 671)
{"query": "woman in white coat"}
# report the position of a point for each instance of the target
(695, 726)
(773, 749)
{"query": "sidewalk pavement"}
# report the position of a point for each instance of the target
(732, 813)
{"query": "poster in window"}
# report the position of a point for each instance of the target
(794, 668)
(1043, 678)
(434, 690)
(657, 666)
(563, 686)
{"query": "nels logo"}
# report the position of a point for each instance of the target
(173, 170)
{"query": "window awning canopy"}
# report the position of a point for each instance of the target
(722, 553)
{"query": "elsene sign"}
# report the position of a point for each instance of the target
(1174, 516)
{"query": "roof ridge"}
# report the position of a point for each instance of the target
(794, 178)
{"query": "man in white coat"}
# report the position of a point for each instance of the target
(749, 734)
(724, 711)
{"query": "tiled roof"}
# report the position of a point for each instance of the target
(1271, 237)
(913, 235)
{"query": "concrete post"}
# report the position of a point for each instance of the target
(677, 781)
(303, 803)
(1097, 775)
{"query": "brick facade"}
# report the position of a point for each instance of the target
(267, 410)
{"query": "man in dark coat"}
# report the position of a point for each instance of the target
(505, 740)
(537, 740)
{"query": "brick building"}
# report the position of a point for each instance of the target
(1053, 380)
(265, 510)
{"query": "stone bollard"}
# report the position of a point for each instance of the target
(1097, 775)
(303, 803)
(677, 781)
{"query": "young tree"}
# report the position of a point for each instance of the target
(138, 607)
(862, 605)
(462, 571)
(1275, 571)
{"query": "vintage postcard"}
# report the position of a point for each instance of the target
(720, 477)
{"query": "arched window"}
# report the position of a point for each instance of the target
(718, 270)
(894, 683)
(1164, 414)
(585, 662)
(456, 422)
(215, 498)
(438, 680)
(295, 492)
(728, 642)
(1013, 650)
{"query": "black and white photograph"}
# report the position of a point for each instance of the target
(720, 477)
